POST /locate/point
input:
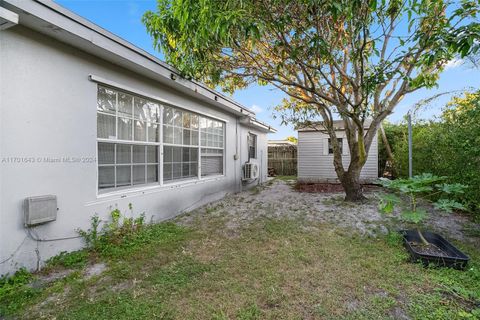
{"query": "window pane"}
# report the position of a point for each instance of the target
(194, 121)
(177, 135)
(186, 137)
(167, 154)
(203, 139)
(152, 173)
(168, 115)
(106, 177)
(139, 174)
(167, 171)
(185, 170)
(186, 154)
(123, 176)
(138, 154)
(125, 104)
(105, 126)
(209, 139)
(106, 100)
(194, 154)
(209, 125)
(186, 120)
(124, 129)
(177, 154)
(138, 108)
(124, 153)
(152, 154)
(106, 153)
(194, 169)
(177, 170)
(167, 134)
(203, 123)
(152, 132)
(194, 140)
(153, 112)
(330, 146)
(140, 133)
(252, 146)
(177, 118)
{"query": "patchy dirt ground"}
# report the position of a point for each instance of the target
(267, 253)
(281, 199)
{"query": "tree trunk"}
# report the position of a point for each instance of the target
(351, 184)
(388, 149)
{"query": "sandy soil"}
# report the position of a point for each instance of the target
(279, 199)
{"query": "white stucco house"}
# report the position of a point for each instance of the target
(90, 123)
(315, 154)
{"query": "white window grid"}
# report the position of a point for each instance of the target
(214, 131)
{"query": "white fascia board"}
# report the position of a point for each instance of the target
(53, 20)
(8, 19)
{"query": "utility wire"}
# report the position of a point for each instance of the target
(14, 252)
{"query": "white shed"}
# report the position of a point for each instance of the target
(315, 155)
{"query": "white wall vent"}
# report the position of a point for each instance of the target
(40, 209)
(250, 171)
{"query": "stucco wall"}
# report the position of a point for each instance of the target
(314, 165)
(48, 111)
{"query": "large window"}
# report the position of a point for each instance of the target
(129, 142)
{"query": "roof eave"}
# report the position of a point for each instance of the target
(53, 20)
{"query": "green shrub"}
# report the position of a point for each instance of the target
(75, 259)
(14, 292)
(448, 146)
(117, 230)
(120, 235)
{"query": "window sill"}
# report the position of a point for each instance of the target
(143, 190)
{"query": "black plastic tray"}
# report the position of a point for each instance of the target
(454, 258)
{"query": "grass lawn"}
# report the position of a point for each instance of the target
(271, 268)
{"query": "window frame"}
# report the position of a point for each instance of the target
(162, 105)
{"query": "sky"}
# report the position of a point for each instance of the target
(123, 18)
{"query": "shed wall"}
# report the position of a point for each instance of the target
(316, 166)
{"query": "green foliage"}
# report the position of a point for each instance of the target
(395, 135)
(424, 186)
(119, 231)
(388, 202)
(92, 235)
(14, 292)
(448, 205)
(448, 146)
(75, 259)
(416, 216)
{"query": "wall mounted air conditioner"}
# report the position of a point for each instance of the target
(250, 171)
